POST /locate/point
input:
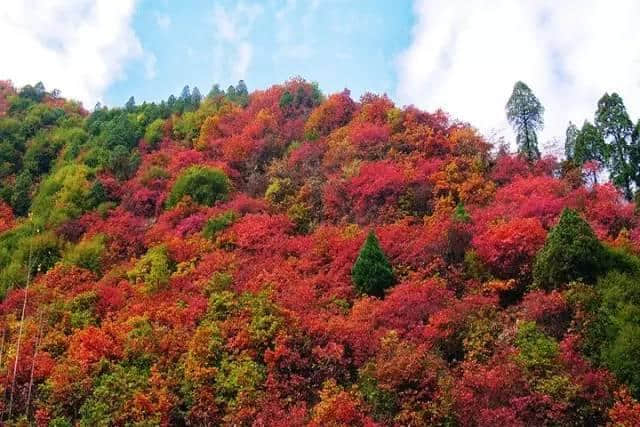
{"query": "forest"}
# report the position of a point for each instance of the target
(284, 257)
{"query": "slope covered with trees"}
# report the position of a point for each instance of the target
(283, 257)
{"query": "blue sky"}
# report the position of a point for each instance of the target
(463, 56)
(338, 43)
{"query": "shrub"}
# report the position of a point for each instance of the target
(537, 351)
(154, 268)
(86, 254)
(218, 223)
(154, 132)
(571, 252)
(204, 185)
(619, 316)
(372, 273)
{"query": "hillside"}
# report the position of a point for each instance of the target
(285, 258)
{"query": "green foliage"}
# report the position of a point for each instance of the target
(43, 251)
(205, 186)
(218, 223)
(286, 99)
(571, 252)
(39, 116)
(474, 267)
(112, 395)
(121, 130)
(619, 318)
(154, 173)
(63, 195)
(122, 162)
(60, 422)
(537, 351)
(525, 113)
(570, 141)
(154, 132)
(154, 268)
(589, 145)
(25, 251)
(614, 124)
(461, 214)
(187, 127)
(265, 318)
(280, 190)
(382, 402)
(72, 138)
(238, 376)
(86, 254)
(82, 310)
(21, 195)
(372, 273)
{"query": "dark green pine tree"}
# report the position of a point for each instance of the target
(589, 146)
(570, 141)
(525, 114)
(131, 104)
(616, 127)
(372, 273)
(571, 252)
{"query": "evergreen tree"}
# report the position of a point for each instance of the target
(196, 97)
(525, 114)
(21, 197)
(241, 89)
(242, 94)
(131, 104)
(372, 273)
(571, 252)
(616, 127)
(570, 141)
(186, 93)
(589, 146)
(215, 91)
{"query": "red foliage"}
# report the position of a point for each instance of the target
(549, 310)
(262, 325)
(605, 209)
(88, 346)
(6, 217)
(509, 167)
(335, 112)
(509, 248)
(626, 411)
(376, 188)
(370, 139)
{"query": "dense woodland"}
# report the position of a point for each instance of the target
(288, 258)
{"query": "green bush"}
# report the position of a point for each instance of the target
(537, 351)
(239, 376)
(43, 250)
(619, 326)
(205, 186)
(571, 252)
(112, 396)
(154, 268)
(154, 132)
(218, 223)
(86, 254)
(63, 195)
(372, 273)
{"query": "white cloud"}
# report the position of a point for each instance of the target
(77, 46)
(232, 32)
(465, 56)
